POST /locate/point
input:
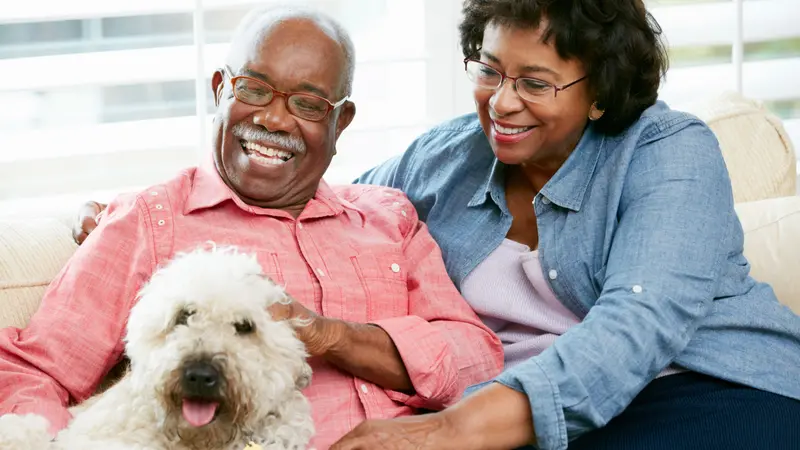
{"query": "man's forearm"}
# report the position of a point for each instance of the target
(367, 352)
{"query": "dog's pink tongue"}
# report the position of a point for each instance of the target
(199, 413)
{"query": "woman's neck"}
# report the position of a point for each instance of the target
(539, 171)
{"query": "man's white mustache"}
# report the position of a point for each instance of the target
(254, 134)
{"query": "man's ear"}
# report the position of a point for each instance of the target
(217, 86)
(346, 115)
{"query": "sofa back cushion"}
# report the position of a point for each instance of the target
(757, 150)
(32, 252)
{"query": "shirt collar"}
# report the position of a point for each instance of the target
(492, 187)
(208, 190)
(567, 188)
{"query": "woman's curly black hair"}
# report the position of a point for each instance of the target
(618, 42)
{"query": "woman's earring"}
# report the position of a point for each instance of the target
(594, 113)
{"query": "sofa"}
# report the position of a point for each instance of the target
(760, 158)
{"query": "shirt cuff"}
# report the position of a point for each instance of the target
(57, 416)
(549, 424)
(429, 362)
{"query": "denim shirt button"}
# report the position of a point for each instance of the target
(553, 274)
(545, 200)
(637, 289)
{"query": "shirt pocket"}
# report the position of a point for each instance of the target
(384, 277)
(271, 266)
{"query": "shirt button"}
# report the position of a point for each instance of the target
(403, 212)
(154, 193)
(545, 200)
(637, 289)
(159, 207)
(364, 388)
(395, 267)
(299, 225)
(161, 222)
(396, 204)
(553, 274)
(320, 272)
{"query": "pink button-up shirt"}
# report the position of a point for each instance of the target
(357, 253)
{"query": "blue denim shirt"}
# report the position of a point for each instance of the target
(639, 238)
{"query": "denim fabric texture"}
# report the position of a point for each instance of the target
(639, 238)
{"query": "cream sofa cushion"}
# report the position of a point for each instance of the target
(772, 245)
(31, 254)
(759, 155)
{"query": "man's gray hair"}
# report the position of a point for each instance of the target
(257, 20)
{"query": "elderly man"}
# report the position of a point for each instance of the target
(389, 327)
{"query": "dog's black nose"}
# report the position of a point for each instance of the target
(200, 379)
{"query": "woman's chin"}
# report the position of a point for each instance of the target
(512, 155)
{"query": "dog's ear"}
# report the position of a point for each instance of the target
(303, 379)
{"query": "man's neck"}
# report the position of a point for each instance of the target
(293, 208)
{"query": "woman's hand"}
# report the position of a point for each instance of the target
(494, 417)
(429, 431)
(87, 220)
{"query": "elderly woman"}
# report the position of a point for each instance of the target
(593, 229)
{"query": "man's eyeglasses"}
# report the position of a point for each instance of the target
(254, 92)
(529, 89)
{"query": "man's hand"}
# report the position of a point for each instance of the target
(87, 220)
(363, 350)
(319, 334)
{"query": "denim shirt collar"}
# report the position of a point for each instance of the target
(567, 188)
(492, 187)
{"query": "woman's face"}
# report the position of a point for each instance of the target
(540, 133)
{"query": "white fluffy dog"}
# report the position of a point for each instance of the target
(209, 369)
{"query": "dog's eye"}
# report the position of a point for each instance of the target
(244, 327)
(183, 317)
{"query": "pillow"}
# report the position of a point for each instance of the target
(32, 252)
(757, 150)
(772, 245)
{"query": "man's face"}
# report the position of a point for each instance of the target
(268, 156)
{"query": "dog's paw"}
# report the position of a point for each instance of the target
(24, 432)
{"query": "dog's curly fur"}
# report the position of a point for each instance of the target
(210, 306)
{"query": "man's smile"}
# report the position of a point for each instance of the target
(264, 155)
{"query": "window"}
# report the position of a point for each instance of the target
(710, 53)
(103, 96)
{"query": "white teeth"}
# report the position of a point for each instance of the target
(260, 150)
(265, 159)
(504, 130)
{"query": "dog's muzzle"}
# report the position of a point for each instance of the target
(200, 379)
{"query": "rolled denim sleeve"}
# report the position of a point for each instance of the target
(675, 216)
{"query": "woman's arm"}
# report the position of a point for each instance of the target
(674, 226)
(495, 417)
